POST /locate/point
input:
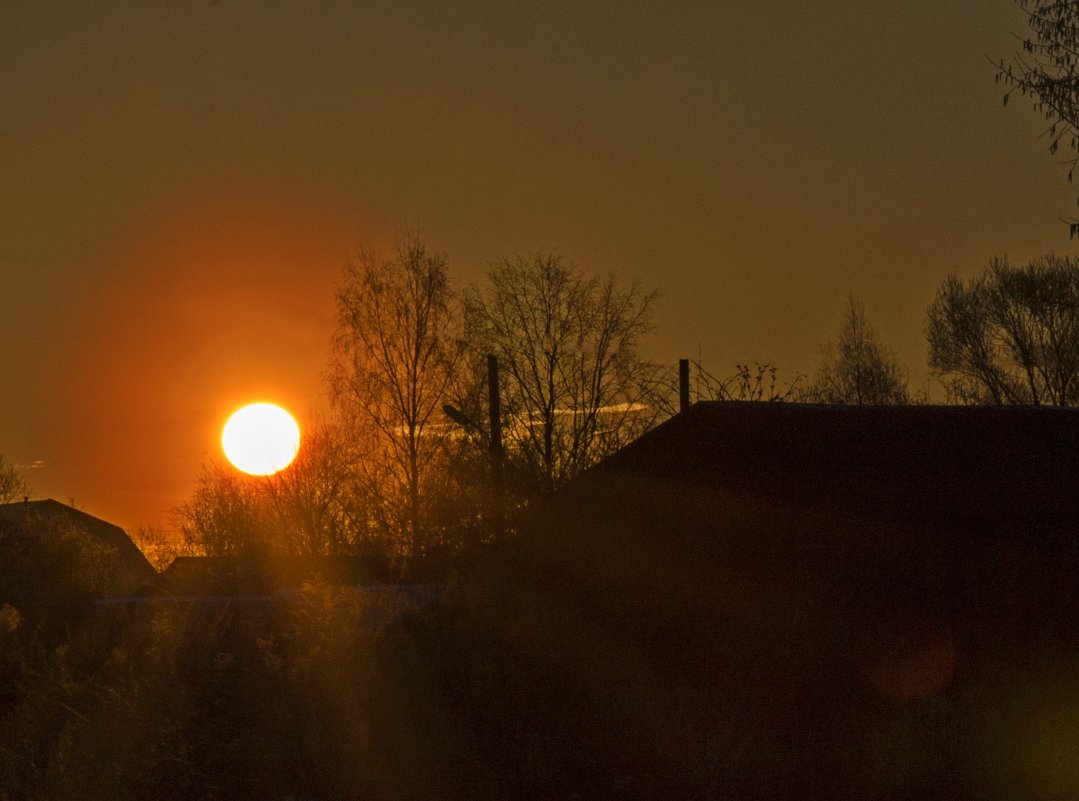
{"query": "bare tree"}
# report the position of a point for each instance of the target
(12, 485)
(759, 383)
(1009, 335)
(314, 506)
(856, 369)
(396, 349)
(319, 504)
(223, 515)
(574, 387)
(1047, 70)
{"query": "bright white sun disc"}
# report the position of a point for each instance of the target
(261, 439)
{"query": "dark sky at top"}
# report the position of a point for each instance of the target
(182, 183)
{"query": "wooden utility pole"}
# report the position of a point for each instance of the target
(683, 384)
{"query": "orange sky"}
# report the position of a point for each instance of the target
(181, 185)
(218, 305)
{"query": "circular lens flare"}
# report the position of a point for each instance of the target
(261, 439)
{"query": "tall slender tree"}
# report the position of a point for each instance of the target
(856, 368)
(397, 345)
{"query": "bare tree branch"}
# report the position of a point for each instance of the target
(1047, 70)
(1009, 335)
(395, 352)
(856, 369)
(575, 388)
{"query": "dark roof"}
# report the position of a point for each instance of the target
(32, 517)
(978, 471)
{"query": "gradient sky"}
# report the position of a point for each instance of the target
(181, 184)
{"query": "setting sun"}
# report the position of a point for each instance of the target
(261, 439)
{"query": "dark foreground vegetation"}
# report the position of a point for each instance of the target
(771, 654)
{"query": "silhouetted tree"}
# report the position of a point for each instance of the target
(317, 505)
(759, 383)
(856, 369)
(397, 345)
(574, 387)
(1047, 70)
(222, 517)
(12, 485)
(1009, 335)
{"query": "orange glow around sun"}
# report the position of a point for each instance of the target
(261, 439)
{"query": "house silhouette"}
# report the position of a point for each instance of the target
(819, 601)
(944, 516)
(962, 473)
(48, 543)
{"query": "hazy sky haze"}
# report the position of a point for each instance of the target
(181, 185)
